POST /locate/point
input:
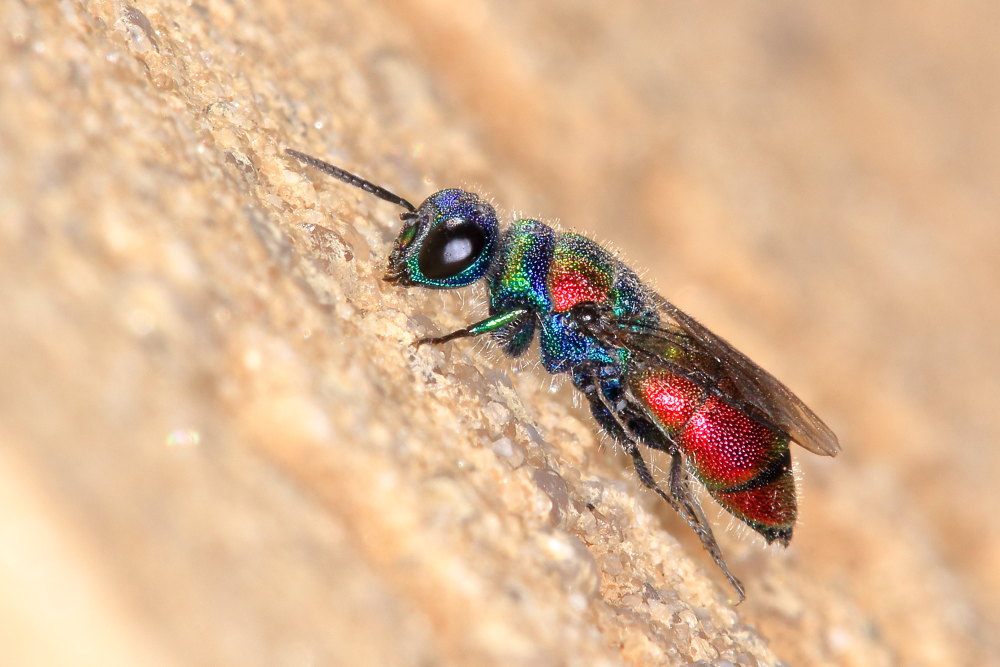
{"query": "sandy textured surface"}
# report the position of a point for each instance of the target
(217, 446)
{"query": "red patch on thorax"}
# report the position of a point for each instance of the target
(571, 287)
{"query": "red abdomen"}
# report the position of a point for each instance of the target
(743, 464)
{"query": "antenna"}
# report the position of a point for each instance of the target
(351, 179)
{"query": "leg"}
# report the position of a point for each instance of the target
(680, 496)
(489, 325)
(687, 506)
(680, 489)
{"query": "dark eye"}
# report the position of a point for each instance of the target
(450, 248)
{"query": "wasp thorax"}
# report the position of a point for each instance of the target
(449, 241)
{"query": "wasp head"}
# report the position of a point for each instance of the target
(449, 241)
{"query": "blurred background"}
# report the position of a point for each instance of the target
(217, 448)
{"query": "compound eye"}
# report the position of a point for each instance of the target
(450, 248)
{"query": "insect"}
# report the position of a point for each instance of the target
(653, 376)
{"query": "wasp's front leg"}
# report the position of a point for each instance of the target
(489, 325)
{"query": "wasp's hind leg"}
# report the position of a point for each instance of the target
(680, 490)
(620, 420)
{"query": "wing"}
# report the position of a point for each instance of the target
(687, 347)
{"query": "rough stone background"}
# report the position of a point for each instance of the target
(218, 448)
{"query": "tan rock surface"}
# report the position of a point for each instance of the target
(218, 446)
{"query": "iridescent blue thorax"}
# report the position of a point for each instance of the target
(549, 273)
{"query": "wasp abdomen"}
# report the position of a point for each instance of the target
(743, 464)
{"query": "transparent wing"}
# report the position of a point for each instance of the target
(685, 346)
